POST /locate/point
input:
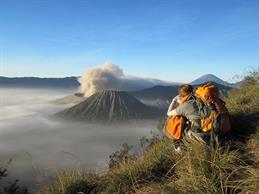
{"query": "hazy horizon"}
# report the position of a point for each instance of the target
(235, 77)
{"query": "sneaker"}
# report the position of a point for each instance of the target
(178, 149)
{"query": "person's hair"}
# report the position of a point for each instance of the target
(185, 90)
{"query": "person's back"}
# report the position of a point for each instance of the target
(193, 110)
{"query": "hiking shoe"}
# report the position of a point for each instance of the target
(178, 149)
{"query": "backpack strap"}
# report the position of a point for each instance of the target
(204, 109)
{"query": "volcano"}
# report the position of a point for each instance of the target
(209, 78)
(110, 106)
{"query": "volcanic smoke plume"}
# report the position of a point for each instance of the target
(110, 77)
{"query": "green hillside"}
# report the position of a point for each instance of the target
(232, 168)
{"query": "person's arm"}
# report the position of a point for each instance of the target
(171, 113)
(179, 110)
(172, 106)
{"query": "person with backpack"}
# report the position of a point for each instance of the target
(196, 113)
(186, 105)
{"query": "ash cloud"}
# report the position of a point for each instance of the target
(109, 76)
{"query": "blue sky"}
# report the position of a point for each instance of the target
(176, 40)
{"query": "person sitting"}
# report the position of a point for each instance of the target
(186, 104)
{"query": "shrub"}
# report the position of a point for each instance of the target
(12, 187)
(121, 156)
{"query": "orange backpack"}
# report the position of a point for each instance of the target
(175, 126)
(219, 119)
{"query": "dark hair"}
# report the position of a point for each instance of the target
(185, 90)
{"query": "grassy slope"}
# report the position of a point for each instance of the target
(229, 169)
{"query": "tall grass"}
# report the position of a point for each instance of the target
(161, 170)
(125, 178)
(73, 181)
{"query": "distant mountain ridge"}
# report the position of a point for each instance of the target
(72, 82)
(161, 92)
(66, 82)
(109, 106)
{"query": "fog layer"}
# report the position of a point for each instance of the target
(39, 146)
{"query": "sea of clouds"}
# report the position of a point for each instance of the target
(38, 147)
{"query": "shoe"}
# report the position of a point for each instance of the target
(178, 149)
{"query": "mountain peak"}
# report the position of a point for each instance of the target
(209, 75)
(207, 78)
(109, 105)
